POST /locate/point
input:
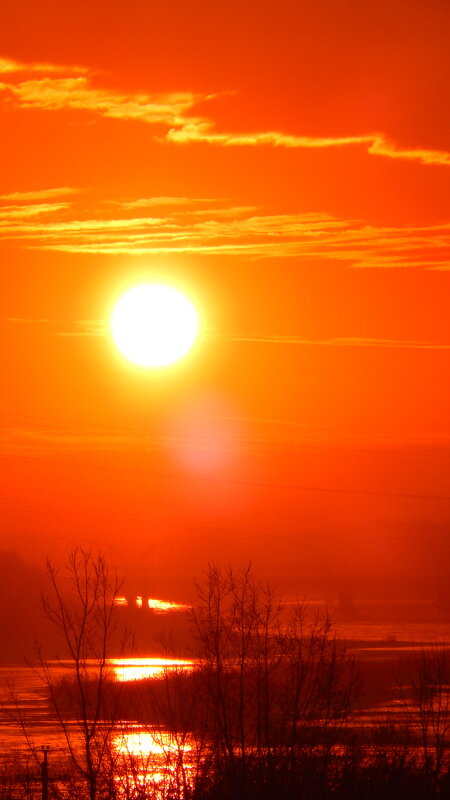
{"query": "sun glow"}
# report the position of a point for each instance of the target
(138, 669)
(154, 325)
(145, 743)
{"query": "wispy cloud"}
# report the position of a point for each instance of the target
(152, 202)
(78, 93)
(353, 341)
(98, 327)
(16, 208)
(265, 435)
(381, 146)
(18, 212)
(174, 115)
(10, 65)
(35, 439)
(191, 225)
(39, 194)
(86, 327)
(81, 327)
(376, 144)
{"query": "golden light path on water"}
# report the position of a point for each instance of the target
(145, 743)
(138, 669)
(159, 606)
(159, 760)
(157, 753)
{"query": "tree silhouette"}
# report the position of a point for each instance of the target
(80, 604)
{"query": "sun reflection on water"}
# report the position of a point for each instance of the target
(154, 761)
(162, 606)
(136, 669)
(146, 743)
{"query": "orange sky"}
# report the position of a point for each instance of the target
(287, 166)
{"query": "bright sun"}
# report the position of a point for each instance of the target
(154, 325)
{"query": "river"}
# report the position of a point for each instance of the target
(23, 693)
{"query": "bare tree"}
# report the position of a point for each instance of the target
(80, 604)
(275, 685)
(427, 706)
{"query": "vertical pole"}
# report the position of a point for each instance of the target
(44, 768)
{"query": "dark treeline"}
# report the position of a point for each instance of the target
(271, 708)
